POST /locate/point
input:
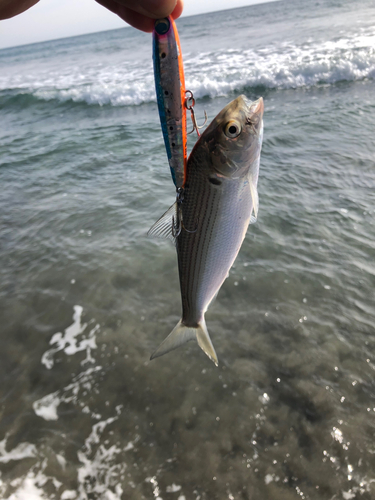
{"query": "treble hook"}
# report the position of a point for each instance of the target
(178, 223)
(190, 103)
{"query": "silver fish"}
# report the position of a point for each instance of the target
(211, 215)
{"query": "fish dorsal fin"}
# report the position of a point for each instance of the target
(166, 226)
(255, 198)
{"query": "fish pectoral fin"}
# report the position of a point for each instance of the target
(254, 197)
(182, 334)
(165, 227)
(253, 219)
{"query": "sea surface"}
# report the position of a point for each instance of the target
(85, 296)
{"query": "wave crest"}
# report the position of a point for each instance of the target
(209, 74)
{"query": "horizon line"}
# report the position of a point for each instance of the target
(126, 25)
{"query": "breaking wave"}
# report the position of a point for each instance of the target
(208, 74)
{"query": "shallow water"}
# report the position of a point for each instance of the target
(85, 297)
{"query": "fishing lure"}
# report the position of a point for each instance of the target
(170, 92)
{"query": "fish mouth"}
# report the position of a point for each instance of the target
(257, 107)
(252, 107)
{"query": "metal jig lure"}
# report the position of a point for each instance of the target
(173, 100)
(170, 92)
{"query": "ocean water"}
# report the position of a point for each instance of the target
(85, 296)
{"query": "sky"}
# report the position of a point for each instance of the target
(51, 19)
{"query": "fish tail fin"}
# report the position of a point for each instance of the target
(204, 342)
(182, 334)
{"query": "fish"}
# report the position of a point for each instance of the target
(209, 220)
(170, 93)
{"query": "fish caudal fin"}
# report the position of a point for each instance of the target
(204, 342)
(182, 334)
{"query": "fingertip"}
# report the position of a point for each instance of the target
(142, 15)
(145, 23)
(178, 9)
(156, 9)
(136, 20)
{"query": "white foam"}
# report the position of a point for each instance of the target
(283, 66)
(61, 460)
(347, 495)
(99, 469)
(68, 495)
(69, 342)
(22, 450)
(215, 73)
(268, 478)
(28, 490)
(173, 488)
(337, 435)
(264, 399)
(47, 406)
(30, 486)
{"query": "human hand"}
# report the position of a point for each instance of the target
(11, 8)
(141, 13)
(138, 13)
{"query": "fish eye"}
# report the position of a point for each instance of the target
(232, 129)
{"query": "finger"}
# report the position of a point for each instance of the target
(178, 9)
(9, 8)
(154, 9)
(134, 18)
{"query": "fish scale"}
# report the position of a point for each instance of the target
(211, 215)
(205, 255)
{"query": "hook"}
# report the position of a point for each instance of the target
(187, 230)
(190, 103)
(178, 223)
(176, 227)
